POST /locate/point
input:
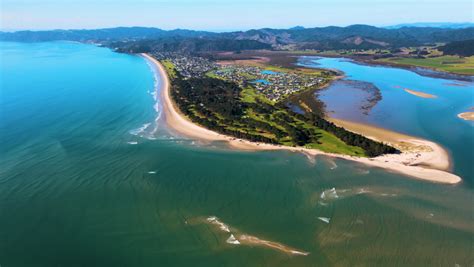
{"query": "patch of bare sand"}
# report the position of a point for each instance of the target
(255, 61)
(468, 116)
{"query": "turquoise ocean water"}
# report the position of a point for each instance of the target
(90, 177)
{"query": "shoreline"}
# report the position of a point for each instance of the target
(420, 70)
(417, 164)
(363, 60)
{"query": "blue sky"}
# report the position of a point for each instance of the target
(222, 15)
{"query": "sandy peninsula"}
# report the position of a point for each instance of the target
(420, 159)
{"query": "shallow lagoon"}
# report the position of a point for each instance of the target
(433, 119)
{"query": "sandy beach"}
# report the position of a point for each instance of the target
(419, 159)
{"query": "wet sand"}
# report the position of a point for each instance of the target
(420, 94)
(428, 162)
(468, 116)
(238, 238)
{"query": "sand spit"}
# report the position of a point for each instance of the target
(420, 159)
(238, 238)
(252, 240)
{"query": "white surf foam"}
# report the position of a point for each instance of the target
(214, 220)
(329, 194)
(232, 240)
(299, 252)
(324, 219)
(151, 135)
(132, 142)
(139, 131)
(363, 191)
(243, 239)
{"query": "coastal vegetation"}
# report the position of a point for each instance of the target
(454, 64)
(244, 113)
(460, 48)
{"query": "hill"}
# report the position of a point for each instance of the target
(297, 38)
(449, 25)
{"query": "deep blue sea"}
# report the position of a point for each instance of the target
(90, 176)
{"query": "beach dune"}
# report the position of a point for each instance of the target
(420, 158)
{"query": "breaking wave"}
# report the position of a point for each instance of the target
(324, 219)
(232, 240)
(214, 220)
(329, 195)
(146, 131)
(139, 131)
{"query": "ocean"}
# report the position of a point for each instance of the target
(91, 176)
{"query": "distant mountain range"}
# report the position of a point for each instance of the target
(447, 25)
(322, 38)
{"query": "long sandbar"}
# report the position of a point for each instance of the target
(430, 162)
(419, 94)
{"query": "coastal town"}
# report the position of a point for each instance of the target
(188, 66)
(275, 85)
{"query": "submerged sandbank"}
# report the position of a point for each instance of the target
(238, 238)
(420, 94)
(428, 162)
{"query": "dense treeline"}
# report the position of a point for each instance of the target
(209, 101)
(188, 45)
(461, 48)
(217, 105)
(371, 147)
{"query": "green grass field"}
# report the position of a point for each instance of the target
(169, 66)
(453, 64)
(250, 95)
(327, 142)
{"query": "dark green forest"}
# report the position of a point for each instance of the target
(461, 48)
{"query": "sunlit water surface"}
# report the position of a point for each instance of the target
(90, 177)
